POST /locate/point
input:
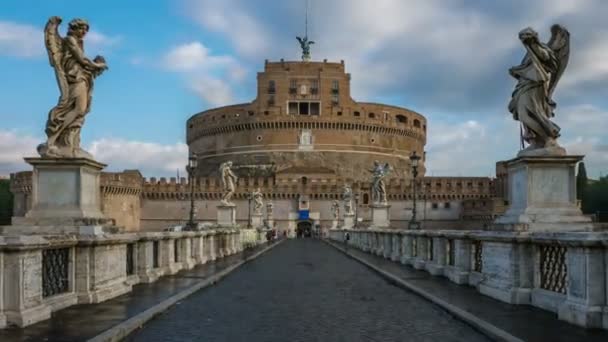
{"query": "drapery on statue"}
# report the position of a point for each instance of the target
(269, 207)
(258, 203)
(335, 209)
(75, 74)
(378, 187)
(537, 76)
(305, 45)
(347, 199)
(228, 179)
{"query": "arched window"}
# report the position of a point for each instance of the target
(304, 180)
(365, 198)
(417, 123)
(401, 118)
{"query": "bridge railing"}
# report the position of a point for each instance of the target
(41, 274)
(566, 273)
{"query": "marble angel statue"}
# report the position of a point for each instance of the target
(228, 179)
(75, 74)
(379, 172)
(532, 100)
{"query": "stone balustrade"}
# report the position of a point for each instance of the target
(41, 274)
(566, 273)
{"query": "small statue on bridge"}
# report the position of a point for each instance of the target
(335, 209)
(379, 172)
(347, 199)
(258, 202)
(228, 179)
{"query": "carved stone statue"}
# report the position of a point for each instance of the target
(335, 209)
(258, 202)
(228, 179)
(379, 172)
(75, 74)
(537, 76)
(347, 199)
(305, 45)
(269, 207)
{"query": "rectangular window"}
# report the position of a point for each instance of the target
(304, 108)
(293, 108)
(271, 87)
(314, 87)
(293, 86)
(315, 108)
(271, 100)
(434, 206)
(335, 86)
(447, 205)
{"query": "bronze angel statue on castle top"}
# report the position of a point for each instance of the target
(75, 74)
(537, 75)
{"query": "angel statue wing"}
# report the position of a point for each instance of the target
(560, 44)
(300, 40)
(54, 48)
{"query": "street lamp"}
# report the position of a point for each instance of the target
(190, 168)
(413, 224)
(356, 209)
(249, 198)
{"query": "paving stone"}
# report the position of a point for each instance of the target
(305, 290)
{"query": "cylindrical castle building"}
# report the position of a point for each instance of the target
(304, 120)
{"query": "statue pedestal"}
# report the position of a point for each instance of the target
(334, 224)
(542, 196)
(226, 215)
(349, 221)
(257, 221)
(380, 215)
(65, 192)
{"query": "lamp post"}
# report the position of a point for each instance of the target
(192, 163)
(249, 198)
(414, 224)
(356, 209)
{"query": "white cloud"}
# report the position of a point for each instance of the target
(14, 146)
(209, 76)
(152, 159)
(20, 40)
(215, 92)
(24, 40)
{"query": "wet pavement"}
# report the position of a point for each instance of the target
(525, 322)
(82, 322)
(305, 290)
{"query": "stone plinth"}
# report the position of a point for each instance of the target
(542, 196)
(334, 224)
(226, 215)
(257, 221)
(64, 191)
(380, 215)
(349, 221)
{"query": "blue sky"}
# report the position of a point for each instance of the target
(169, 59)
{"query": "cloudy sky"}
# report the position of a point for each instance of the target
(447, 59)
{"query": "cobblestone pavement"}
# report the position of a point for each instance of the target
(304, 290)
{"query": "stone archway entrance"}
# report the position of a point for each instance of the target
(304, 229)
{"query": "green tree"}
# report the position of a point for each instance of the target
(596, 198)
(581, 181)
(6, 202)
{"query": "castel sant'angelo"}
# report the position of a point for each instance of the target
(299, 141)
